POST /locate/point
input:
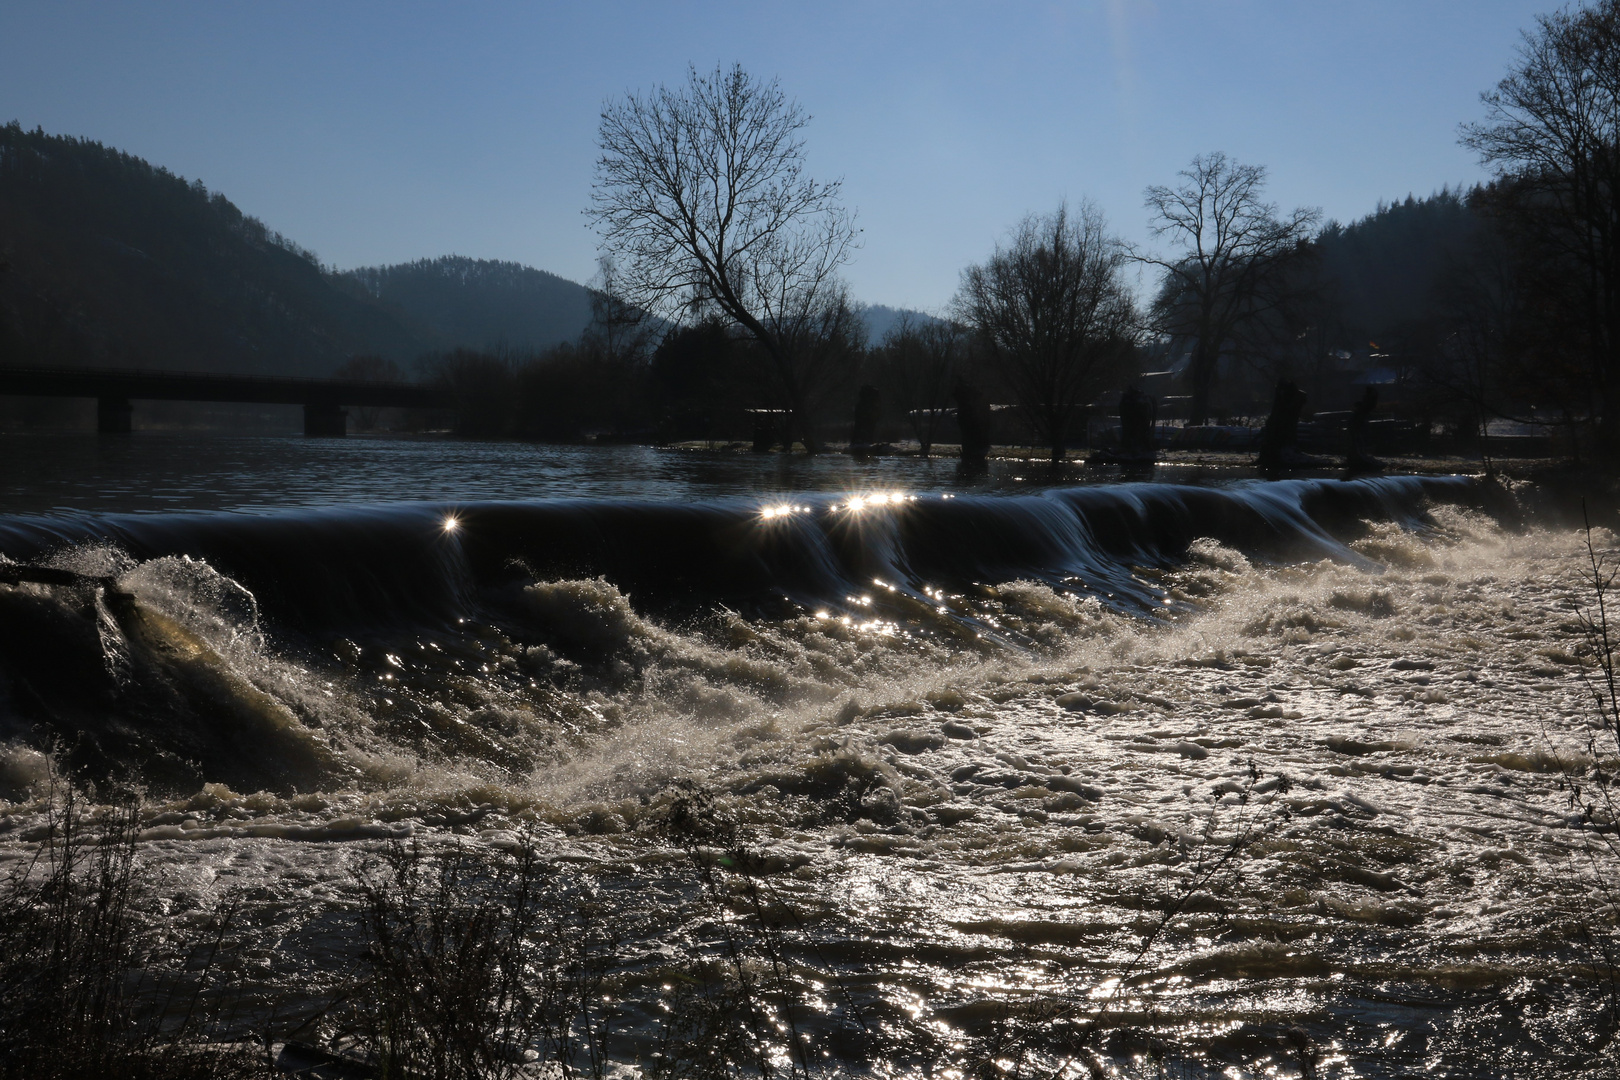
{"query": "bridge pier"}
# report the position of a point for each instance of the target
(325, 421)
(114, 416)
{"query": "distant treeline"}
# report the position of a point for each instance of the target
(1369, 302)
(478, 302)
(684, 383)
(106, 260)
(1448, 305)
(695, 382)
(1376, 296)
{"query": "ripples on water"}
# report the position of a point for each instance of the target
(159, 472)
(991, 750)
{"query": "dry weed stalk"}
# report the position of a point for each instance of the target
(1592, 788)
(81, 993)
(482, 966)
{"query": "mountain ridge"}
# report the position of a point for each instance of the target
(479, 303)
(109, 261)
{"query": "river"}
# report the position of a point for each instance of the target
(1208, 775)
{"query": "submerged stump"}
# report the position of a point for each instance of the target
(973, 420)
(868, 411)
(1279, 439)
(1360, 460)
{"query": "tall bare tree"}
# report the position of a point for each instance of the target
(1053, 313)
(1229, 267)
(1479, 311)
(702, 197)
(1553, 135)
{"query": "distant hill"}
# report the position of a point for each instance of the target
(479, 302)
(880, 319)
(108, 261)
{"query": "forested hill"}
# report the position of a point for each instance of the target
(1388, 270)
(479, 302)
(880, 319)
(109, 261)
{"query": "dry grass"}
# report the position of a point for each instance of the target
(1592, 781)
(80, 991)
(480, 965)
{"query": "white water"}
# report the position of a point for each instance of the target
(959, 826)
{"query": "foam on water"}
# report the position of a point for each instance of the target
(977, 773)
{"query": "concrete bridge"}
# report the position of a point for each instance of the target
(114, 390)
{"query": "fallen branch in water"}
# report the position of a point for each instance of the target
(24, 573)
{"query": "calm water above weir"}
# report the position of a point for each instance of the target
(155, 472)
(1245, 779)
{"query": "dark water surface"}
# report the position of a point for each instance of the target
(153, 472)
(156, 472)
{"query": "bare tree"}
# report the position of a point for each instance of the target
(920, 362)
(702, 196)
(826, 342)
(1229, 269)
(1506, 344)
(620, 331)
(1553, 134)
(1479, 312)
(1053, 313)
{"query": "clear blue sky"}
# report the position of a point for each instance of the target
(380, 132)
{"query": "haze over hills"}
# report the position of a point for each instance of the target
(485, 303)
(881, 318)
(112, 262)
(480, 303)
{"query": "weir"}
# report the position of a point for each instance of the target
(115, 390)
(323, 571)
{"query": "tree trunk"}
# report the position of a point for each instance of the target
(1279, 441)
(868, 412)
(1203, 375)
(1607, 443)
(973, 420)
(807, 429)
(798, 414)
(1135, 425)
